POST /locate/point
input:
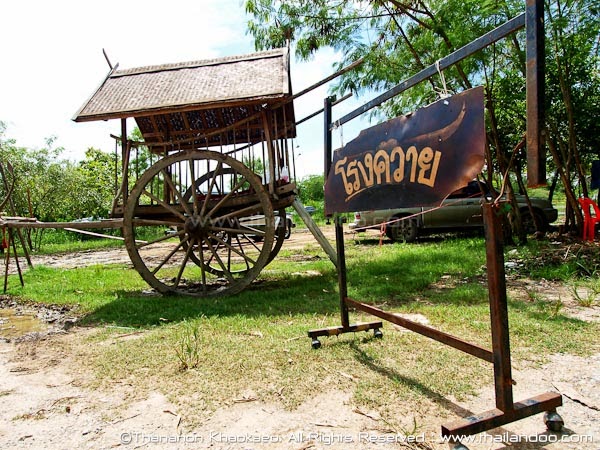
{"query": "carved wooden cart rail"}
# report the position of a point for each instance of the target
(208, 216)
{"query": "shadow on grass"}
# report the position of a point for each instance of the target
(401, 279)
(396, 278)
(292, 296)
(378, 367)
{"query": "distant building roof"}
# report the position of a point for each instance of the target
(175, 102)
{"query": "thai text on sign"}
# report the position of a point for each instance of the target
(413, 160)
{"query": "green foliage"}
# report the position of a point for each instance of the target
(53, 189)
(57, 189)
(573, 87)
(98, 173)
(310, 189)
(398, 39)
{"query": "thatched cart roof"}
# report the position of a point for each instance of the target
(180, 104)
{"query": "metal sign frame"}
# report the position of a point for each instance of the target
(418, 158)
(506, 409)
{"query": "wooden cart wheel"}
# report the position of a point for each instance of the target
(204, 245)
(280, 234)
(280, 231)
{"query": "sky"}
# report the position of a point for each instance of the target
(52, 62)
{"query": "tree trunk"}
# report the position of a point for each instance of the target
(571, 199)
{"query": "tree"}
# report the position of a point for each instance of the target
(41, 179)
(397, 39)
(573, 65)
(97, 174)
(311, 189)
(53, 189)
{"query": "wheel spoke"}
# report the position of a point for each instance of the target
(160, 239)
(224, 199)
(170, 255)
(184, 262)
(213, 182)
(164, 204)
(226, 272)
(194, 194)
(232, 248)
(243, 212)
(251, 242)
(241, 230)
(237, 238)
(202, 267)
(177, 192)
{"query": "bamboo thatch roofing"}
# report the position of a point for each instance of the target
(187, 104)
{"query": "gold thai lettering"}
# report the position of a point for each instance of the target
(381, 166)
(339, 170)
(399, 172)
(366, 170)
(412, 155)
(429, 161)
(387, 166)
(353, 173)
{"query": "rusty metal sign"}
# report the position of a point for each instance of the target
(413, 160)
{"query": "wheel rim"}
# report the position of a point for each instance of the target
(280, 235)
(208, 250)
(403, 230)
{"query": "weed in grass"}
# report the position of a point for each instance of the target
(552, 309)
(533, 296)
(557, 306)
(189, 345)
(588, 298)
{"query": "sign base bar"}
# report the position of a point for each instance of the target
(488, 420)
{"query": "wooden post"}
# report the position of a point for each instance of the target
(125, 161)
(266, 120)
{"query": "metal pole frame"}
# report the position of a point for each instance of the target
(535, 88)
(506, 410)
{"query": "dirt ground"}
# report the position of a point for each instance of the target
(46, 401)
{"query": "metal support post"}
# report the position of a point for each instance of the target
(498, 307)
(506, 410)
(535, 82)
(342, 280)
(327, 140)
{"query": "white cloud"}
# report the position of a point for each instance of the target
(52, 61)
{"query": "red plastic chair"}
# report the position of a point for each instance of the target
(591, 216)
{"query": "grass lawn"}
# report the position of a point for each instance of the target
(202, 353)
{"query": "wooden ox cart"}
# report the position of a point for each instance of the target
(209, 214)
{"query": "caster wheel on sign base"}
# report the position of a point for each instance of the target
(316, 344)
(553, 421)
(377, 333)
